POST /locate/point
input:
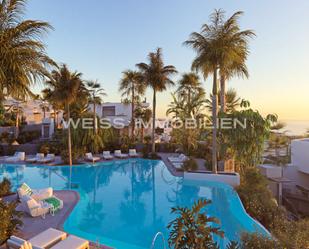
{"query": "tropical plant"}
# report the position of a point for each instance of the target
(132, 85)
(235, 50)
(193, 228)
(65, 89)
(232, 101)
(10, 220)
(189, 84)
(44, 107)
(258, 241)
(190, 115)
(156, 76)
(23, 59)
(257, 198)
(144, 116)
(5, 187)
(245, 140)
(95, 98)
(190, 165)
(216, 50)
(207, 61)
(17, 110)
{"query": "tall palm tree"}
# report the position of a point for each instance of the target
(23, 59)
(236, 51)
(96, 92)
(207, 60)
(157, 77)
(132, 85)
(66, 85)
(189, 84)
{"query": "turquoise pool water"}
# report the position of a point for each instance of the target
(123, 204)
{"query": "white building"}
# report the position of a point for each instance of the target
(300, 154)
(32, 110)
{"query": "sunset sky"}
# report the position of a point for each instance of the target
(102, 38)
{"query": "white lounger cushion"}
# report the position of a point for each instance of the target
(107, 155)
(132, 153)
(48, 238)
(72, 242)
(49, 158)
(37, 194)
(18, 156)
(37, 157)
(92, 158)
(119, 154)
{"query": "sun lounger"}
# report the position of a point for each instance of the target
(38, 156)
(46, 239)
(180, 158)
(72, 242)
(35, 208)
(48, 159)
(107, 155)
(18, 156)
(118, 154)
(37, 194)
(91, 158)
(132, 153)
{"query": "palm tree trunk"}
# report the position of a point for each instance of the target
(133, 123)
(142, 134)
(222, 93)
(55, 123)
(153, 121)
(69, 136)
(214, 121)
(17, 125)
(94, 118)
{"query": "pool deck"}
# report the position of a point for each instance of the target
(33, 226)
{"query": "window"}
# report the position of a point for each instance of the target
(108, 111)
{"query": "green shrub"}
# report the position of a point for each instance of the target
(5, 187)
(53, 147)
(208, 165)
(292, 234)
(28, 136)
(10, 220)
(154, 156)
(257, 198)
(257, 241)
(76, 154)
(190, 165)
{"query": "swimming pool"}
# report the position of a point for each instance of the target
(123, 204)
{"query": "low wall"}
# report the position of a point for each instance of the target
(232, 179)
(29, 149)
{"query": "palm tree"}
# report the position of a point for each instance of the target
(23, 59)
(188, 84)
(157, 77)
(66, 86)
(233, 62)
(232, 101)
(132, 85)
(208, 59)
(145, 115)
(96, 93)
(219, 45)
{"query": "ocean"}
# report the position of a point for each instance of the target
(295, 127)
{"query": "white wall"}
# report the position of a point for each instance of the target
(300, 154)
